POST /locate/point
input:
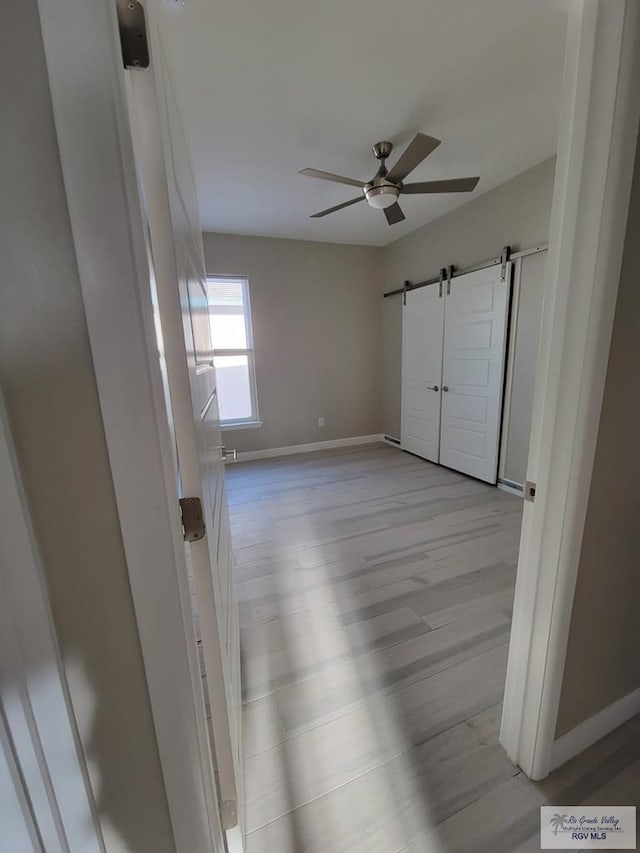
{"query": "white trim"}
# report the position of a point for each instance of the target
(592, 730)
(600, 105)
(37, 724)
(86, 79)
(270, 453)
(514, 309)
(241, 425)
(514, 319)
(515, 489)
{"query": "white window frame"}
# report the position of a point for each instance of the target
(249, 351)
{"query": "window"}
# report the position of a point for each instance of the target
(230, 317)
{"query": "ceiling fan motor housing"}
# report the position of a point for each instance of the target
(381, 193)
(381, 150)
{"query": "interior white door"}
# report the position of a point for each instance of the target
(473, 371)
(171, 209)
(46, 802)
(422, 335)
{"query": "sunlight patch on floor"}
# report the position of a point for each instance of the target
(347, 783)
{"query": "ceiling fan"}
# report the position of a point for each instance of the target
(384, 189)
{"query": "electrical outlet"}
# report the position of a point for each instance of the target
(320, 422)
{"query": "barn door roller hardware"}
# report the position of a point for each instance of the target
(133, 34)
(449, 272)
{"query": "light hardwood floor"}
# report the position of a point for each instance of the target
(375, 594)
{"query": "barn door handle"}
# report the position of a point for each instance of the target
(433, 388)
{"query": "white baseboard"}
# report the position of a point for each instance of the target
(511, 487)
(272, 452)
(592, 730)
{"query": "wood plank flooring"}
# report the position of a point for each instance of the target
(375, 594)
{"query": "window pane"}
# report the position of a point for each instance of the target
(228, 331)
(234, 387)
(227, 307)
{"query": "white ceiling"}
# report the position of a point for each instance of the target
(268, 87)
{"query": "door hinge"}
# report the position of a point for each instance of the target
(449, 272)
(193, 524)
(504, 260)
(228, 814)
(133, 34)
(529, 491)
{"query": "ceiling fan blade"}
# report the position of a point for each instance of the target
(418, 149)
(337, 207)
(454, 185)
(394, 214)
(329, 176)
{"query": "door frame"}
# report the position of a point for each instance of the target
(598, 127)
(84, 64)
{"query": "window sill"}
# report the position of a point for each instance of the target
(241, 425)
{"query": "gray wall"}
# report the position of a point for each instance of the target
(516, 213)
(328, 344)
(316, 326)
(46, 376)
(603, 655)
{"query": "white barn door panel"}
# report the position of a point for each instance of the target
(473, 372)
(422, 334)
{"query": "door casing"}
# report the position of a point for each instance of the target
(598, 129)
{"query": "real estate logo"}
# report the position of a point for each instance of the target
(588, 827)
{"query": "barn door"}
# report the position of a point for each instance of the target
(473, 371)
(184, 335)
(422, 331)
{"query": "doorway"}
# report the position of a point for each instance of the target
(595, 105)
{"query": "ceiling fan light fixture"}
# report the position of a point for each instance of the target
(382, 196)
(383, 190)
